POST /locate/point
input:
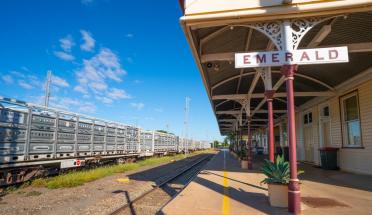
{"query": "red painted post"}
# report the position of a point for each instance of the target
(269, 94)
(294, 195)
(249, 144)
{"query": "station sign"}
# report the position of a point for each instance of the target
(300, 57)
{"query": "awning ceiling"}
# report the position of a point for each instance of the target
(221, 78)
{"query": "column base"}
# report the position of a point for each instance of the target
(294, 197)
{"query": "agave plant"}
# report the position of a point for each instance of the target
(278, 172)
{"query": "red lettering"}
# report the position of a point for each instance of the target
(334, 55)
(288, 57)
(261, 59)
(246, 59)
(317, 56)
(304, 55)
(274, 57)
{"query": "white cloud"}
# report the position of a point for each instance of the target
(89, 42)
(96, 74)
(34, 81)
(98, 87)
(88, 108)
(137, 81)
(104, 100)
(129, 35)
(25, 85)
(102, 66)
(64, 56)
(67, 43)
(7, 78)
(81, 89)
(60, 82)
(138, 106)
(25, 68)
(67, 103)
(18, 74)
(118, 94)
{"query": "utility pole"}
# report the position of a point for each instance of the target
(47, 88)
(187, 107)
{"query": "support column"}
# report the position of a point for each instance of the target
(294, 196)
(269, 94)
(249, 144)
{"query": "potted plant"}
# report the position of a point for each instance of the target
(244, 159)
(277, 179)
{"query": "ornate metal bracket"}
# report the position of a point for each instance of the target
(266, 78)
(275, 29)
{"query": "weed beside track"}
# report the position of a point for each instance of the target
(77, 178)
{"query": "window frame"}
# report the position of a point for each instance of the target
(344, 129)
(306, 116)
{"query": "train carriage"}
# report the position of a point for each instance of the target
(35, 141)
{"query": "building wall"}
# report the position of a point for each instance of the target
(358, 160)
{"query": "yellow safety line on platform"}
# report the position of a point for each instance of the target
(226, 200)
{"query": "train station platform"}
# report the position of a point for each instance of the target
(224, 188)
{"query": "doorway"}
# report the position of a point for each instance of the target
(308, 137)
(324, 127)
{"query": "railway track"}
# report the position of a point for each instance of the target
(152, 201)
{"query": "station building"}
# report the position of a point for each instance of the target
(333, 102)
(304, 106)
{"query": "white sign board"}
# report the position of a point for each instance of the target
(300, 57)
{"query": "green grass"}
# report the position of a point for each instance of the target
(73, 179)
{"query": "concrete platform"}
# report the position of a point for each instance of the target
(224, 188)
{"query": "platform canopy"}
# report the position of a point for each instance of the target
(217, 29)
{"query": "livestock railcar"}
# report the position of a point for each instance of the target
(147, 143)
(157, 142)
(37, 141)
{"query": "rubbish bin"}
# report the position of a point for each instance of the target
(328, 156)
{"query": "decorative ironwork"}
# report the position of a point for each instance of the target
(273, 30)
(301, 26)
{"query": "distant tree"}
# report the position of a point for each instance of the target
(162, 131)
(226, 142)
(165, 132)
(230, 138)
(216, 144)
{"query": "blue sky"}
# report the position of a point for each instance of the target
(126, 61)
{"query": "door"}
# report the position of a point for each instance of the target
(324, 127)
(326, 134)
(308, 140)
(308, 137)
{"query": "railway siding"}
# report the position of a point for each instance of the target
(97, 197)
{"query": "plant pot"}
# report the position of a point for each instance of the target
(244, 164)
(278, 195)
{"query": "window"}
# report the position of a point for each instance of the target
(308, 118)
(325, 111)
(351, 120)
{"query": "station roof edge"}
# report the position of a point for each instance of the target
(323, 8)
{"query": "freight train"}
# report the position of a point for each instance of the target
(36, 141)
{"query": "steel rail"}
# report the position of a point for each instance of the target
(186, 170)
